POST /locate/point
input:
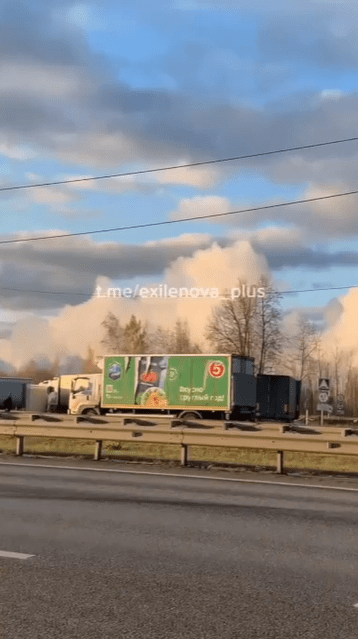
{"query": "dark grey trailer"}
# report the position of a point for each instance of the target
(298, 398)
(14, 387)
(243, 387)
(278, 397)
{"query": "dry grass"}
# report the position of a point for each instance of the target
(129, 450)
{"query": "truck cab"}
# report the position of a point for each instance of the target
(85, 394)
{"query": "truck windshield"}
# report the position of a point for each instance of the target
(81, 384)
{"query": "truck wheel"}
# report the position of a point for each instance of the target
(189, 416)
(90, 411)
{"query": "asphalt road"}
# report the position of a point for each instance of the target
(156, 557)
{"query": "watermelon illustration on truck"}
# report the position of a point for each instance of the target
(208, 386)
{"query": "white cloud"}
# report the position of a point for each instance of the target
(113, 184)
(17, 151)
(51, 195)
(200, 206)
(199, 177)
(48, 81)
(331, 94)
(195, 240)
(96, 148)
(80, 15)
(329, 217)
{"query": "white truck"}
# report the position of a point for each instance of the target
(85, 394)
(63, 385)
(25, 395)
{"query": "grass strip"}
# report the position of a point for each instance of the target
(256, 458)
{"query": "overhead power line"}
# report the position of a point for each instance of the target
(91, 294)
(177, 166)
(181, 220)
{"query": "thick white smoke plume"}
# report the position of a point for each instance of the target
(77, 327)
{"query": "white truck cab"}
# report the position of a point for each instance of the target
(85, 394)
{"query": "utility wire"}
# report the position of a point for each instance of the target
(181, 220)
(177, 166)
(91, 294)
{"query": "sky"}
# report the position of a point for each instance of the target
(96, 88)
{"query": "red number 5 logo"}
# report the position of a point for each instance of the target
(216, 369)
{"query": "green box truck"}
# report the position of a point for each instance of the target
(186, 385)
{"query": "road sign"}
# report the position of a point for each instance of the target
(323, 384)
(327, 408)
(323, 397)
(340, 407)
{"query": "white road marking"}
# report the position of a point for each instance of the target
(183, 476)
(14, 555)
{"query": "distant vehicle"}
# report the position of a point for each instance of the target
(62, 386)
(278, 397)
(193, 386)
(36, 398)
(85, 395)
(16, 389)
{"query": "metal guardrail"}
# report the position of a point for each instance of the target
(168, 430)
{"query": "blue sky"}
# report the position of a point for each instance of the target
(103, 87)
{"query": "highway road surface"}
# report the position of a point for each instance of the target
(101, 555)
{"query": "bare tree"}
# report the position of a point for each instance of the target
(267, 328)
(181, 341)
(351, 386)
(135, 338)
(249, 326)
(305, 345)
(337, 356)
(161, 340)
(231, 327)
(176, 340)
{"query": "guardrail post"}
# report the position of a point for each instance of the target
(184, 455)
(98, 450)
(19, 444)
(280, 462)
(306, 419)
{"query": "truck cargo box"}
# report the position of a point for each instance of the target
(278, 397)
(167, 381)
(16, 388)
(36, 398)
(203, 383)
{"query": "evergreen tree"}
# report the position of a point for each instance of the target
(135, 336)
